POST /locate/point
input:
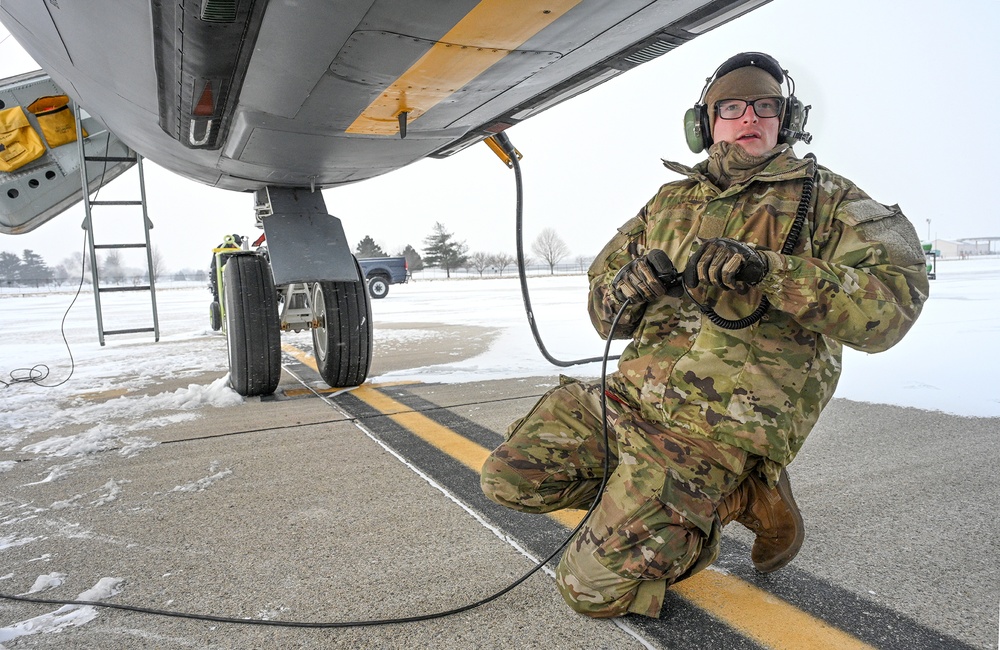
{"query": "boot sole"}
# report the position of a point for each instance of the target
(784, 488)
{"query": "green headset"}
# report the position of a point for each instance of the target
(698, 129)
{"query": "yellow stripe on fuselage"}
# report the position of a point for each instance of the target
(483, 37)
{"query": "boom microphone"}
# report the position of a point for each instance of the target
(790, 136)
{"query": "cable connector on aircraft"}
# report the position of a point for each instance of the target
(502, 147)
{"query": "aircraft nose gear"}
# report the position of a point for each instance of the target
(319, 287)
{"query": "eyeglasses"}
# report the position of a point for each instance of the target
(734, 109)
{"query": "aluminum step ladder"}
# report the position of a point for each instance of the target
(88, 225)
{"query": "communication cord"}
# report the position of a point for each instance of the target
(39, 372)
(508, 149)
(387, 621)
(789, 246)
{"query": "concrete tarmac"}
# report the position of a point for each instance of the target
(286, 509)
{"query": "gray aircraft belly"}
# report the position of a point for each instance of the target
(308, 93)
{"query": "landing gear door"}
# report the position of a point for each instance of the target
(304, 242)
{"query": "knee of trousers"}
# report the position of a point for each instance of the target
(504, 485)
(601, 580)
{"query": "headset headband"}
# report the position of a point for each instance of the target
(698, 131)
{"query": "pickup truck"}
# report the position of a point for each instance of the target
(380, 272)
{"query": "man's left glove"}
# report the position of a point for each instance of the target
(723, 262)
(646, 278)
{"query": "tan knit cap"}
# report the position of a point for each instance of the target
(748, 82)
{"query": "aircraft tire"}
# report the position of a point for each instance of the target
(342, 343)
(253, 333)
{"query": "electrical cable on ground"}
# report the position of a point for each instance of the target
(39, 372)
(387, 621)
(505, 142)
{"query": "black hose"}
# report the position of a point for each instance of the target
(508, 149)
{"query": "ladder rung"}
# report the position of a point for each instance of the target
(119, 245)
(109, 159)
(116, 289)
(135, 331)
(116, 203)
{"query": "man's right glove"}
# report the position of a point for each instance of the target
(646, 278)
(723, 262)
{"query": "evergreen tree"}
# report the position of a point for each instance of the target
(413, 260)
(440, 250)
(368, 248)
(10, 268)
(111, 268)
(34, 270)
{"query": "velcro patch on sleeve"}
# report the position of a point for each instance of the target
(865, 210)
(874, 222)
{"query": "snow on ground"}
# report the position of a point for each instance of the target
(946, 362)
(66, 616)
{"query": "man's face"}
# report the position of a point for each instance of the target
(757, 135)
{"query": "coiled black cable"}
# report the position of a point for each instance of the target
(794, 232)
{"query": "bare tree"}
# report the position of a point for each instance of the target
(159, 266)
(480, 261)
(550, 247)
(77, 265)
(502, 261)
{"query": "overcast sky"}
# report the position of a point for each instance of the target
(900, 92)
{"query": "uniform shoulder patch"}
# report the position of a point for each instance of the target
(887, 225)
(857, 212)
(633, 226)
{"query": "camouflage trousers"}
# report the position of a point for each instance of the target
(655, 523)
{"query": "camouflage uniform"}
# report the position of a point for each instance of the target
(696, 407)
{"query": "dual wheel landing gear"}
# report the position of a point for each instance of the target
(255, 312)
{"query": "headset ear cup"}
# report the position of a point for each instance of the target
(794, 120)
(698, 138)
(706, 125)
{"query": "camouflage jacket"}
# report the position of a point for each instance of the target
(856, 277)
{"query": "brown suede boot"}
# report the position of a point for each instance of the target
(772, 515)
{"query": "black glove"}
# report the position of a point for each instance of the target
(724, 262)
(647, 278)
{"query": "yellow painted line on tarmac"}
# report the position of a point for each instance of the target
(440, 437)
(300, 356)
(763, 617)
(755, 613)
(308, 360)
(478, 41)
